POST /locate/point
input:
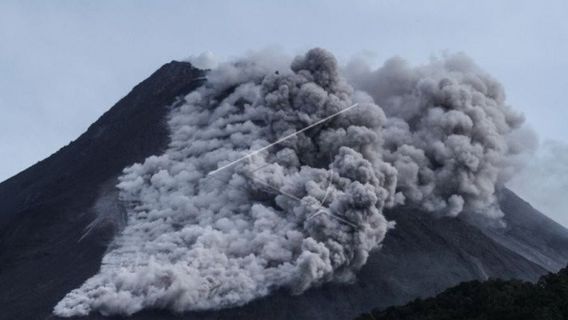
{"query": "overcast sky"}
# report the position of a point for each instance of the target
(63, 63)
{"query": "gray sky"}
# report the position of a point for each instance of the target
(63, 63)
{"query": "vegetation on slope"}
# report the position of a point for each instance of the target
(495, 299)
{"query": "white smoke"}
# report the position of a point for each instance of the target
(205, 60)
(309, 210)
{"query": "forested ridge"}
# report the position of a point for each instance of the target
(494, 299)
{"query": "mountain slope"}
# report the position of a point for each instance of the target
(45, 209)
(530, 233)
(49, 244)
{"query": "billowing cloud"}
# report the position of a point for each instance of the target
(449, 132)
(307, 210)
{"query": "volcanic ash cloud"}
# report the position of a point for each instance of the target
(449, 133)
(195, 242)
(308, 210)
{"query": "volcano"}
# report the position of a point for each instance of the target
(58, 218)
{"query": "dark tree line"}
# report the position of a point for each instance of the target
(491, 300)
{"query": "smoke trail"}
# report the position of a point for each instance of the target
(308, 211)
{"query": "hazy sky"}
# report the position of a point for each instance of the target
(63, 63)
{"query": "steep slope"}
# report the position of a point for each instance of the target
(530, 233)
(45, 209)
(48, 244)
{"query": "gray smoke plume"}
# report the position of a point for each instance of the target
(308, 210)
(449, 132)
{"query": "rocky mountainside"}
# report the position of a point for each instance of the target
(58, 216)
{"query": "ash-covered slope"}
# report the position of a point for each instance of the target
(46, 211)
